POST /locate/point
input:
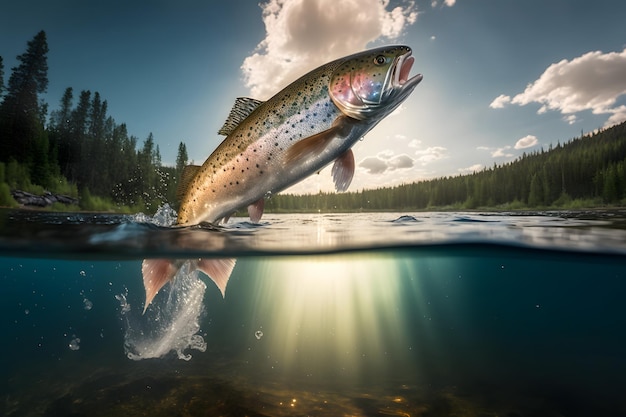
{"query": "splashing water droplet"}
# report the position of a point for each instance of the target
(125, 306)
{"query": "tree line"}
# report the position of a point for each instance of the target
(79, 149)
(588, 171)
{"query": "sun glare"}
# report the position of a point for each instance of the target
(331, 314)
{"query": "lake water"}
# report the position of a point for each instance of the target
(361, 314)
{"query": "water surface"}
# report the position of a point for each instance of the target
(367, 314)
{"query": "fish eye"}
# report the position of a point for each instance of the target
(380, 60)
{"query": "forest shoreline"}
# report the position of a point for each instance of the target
(75, 208)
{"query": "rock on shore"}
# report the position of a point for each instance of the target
(47, 199)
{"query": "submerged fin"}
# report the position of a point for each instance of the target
(226, 218)
(343, 170)
(315, 144)
(188, 174)
(156, 273)
(255, 210)
(241, 109)
(218, 270)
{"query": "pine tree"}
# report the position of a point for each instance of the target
(181, 158)
(1, 77)
(610, 189)
(59, 130)
(21, 110)
(77, 136)
(94, 167)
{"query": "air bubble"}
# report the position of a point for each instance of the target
(74, 343)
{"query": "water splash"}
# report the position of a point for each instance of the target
(165, 216)
(172, 322)
(124, 305)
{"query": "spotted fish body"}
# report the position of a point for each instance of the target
(251, 162)
(271, 145)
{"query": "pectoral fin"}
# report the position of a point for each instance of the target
(315, 144)
(343, 170)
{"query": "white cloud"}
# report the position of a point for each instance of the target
(497, 152)
(386, 154)
(471, 169)
(501, 152)
(527, 141)
(303, 34)
(386, 161)
(448, 3)
(373, 165)
(570, 119)
(415, 143)
(500, 101)
(593, 81)
(431, 154)
(401, 162)
(618, 116)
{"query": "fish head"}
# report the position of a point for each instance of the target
(373, 83)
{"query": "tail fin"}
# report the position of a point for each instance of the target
(158, 272)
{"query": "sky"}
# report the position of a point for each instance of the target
(501, 77)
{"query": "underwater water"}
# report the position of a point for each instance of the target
(361, 314)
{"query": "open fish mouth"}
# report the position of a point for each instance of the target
(399, 84)
(402, 70)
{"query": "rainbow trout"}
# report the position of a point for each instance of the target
(271, 145)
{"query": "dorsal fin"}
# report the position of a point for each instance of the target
(189, 172)
(241, 109)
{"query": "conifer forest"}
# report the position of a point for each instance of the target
(78, 149)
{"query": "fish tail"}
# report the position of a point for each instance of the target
(158, 272)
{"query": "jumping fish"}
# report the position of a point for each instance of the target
(272, 145)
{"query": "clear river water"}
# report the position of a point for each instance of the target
(360, 314)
